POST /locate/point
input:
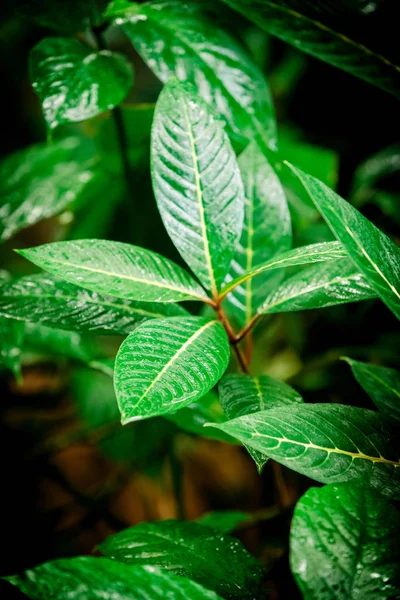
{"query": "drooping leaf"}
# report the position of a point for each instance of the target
(11, 339)
(305, 255)
(190, 550)
(327, 442)
(168, 364)
(89, 578)
(40, 181)
(266, 233)
(177, 39)
(289, 20)
(55, 303)
(371, 250)
(116, 269)
(319, 286)
(75, 83)
(196, 182)
(382, 384)
(242, 394)
(344, 544)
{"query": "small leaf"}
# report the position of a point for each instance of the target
(177, 39)
(266, 233)
(56, 303)
(319, 286)
(242, 394)
(344, 544)
(41, 181)
(371, 250)
(327, 442)
(190, 550)
(167, 364)
(116, 269)
(370, 172)
(88, 578)
(382, 384)
(196, 182)
(11, 340)
(225, 521)
(74, 83)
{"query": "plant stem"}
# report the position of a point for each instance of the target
(231, 336)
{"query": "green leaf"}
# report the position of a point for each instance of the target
(176, 39)
(116, 269)
(196, 182)
(327, 442)
(167, 364)
(56, 303)
(225, 521)
(190, 550)
(88, 578)
(242, 394)
(370, 172)
(382, 384)
(289, 21)
(306, 255)
(75, 83)
(11, 339)
(344, 544)
(319, 286)
(266, 232)
(371, 250)
(40, 181)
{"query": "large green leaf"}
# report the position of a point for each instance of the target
(116, 269)
(11, 339)
(382, 384)
(289, 20)
(50, 301)
(197, 182)
(75, 83)
(167, 364)
(327, 442)
(370, 249)
(266, 233)
(306, 255)
(176, 39)
(323, 284)
(242, 394)
(40, 181)
(88, 578)
(344, 544)
(191, 550)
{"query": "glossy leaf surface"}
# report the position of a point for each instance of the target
(74, 83)
(87, 578)
(116, 269)
(177, 39)
(371, 250)
(50, 301)
(196, 182)
(327, 442)
(191, 550)
(167, 364)
(344, 544)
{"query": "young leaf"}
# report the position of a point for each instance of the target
(196, 182)
(176, 39)
(116, 269)
(305, 255)
(344, 544)
(381, 384)
(242, 394)
(50, 301)
(11, 339)
(40, 181)
(167, 364)
(323, 284)
(74, 83)
(190, 550)
(289, 21)
(90, 578)
(327, 442)
(371, 250)
(266, 232)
